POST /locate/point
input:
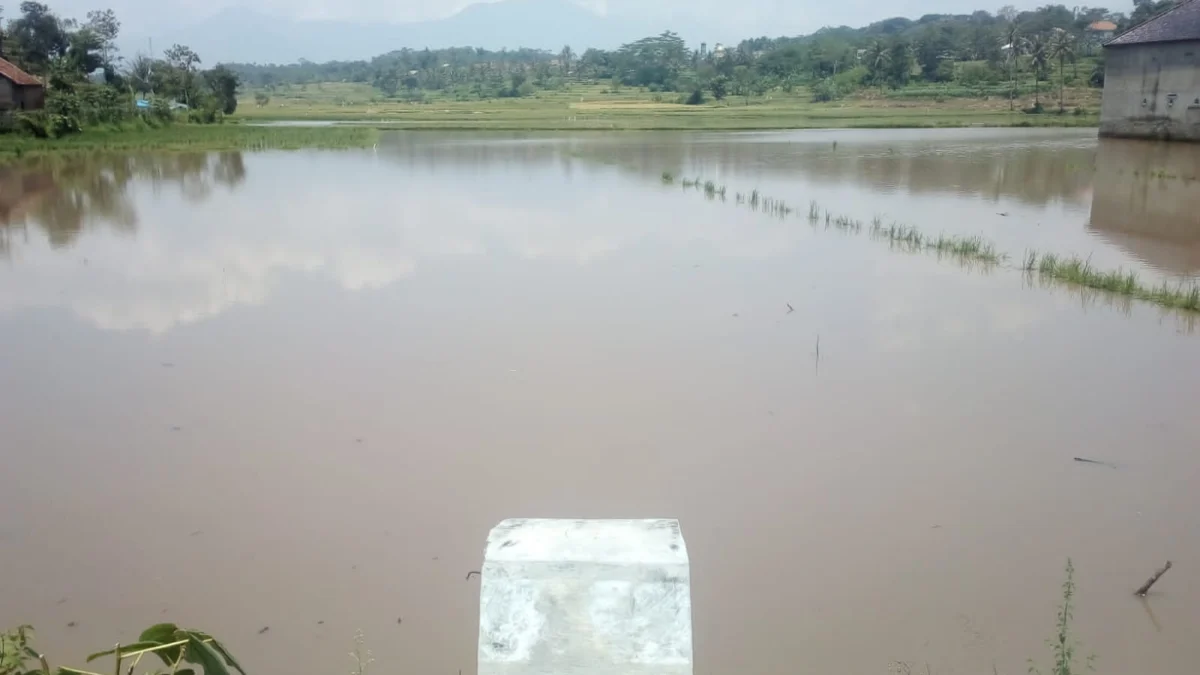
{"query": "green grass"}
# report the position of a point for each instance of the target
(582, 107)
(188, 137)
(1079, 272)
(974, 249)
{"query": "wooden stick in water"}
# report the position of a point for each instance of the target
(1146, 587)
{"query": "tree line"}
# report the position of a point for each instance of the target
(88, 83)
(980, 49)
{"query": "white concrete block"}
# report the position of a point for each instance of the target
(601, 597)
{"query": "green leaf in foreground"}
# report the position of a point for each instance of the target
(159, 633)
(205, 656)
(220, 649)
(125, 650)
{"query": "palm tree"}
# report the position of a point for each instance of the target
(1011, 39)
(878, 58)
(1062, 47)
(1038, 48)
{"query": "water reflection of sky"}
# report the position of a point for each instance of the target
(290, 348)
(150, 242)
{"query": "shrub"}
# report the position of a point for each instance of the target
(825, 90)
(206, 115)
(46, 124)
(944, 71)
(977, 73)
(719, 87)
(695, 98)
(161, 111)
(849, 80)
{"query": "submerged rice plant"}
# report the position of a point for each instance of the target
(974, 249)
(1079, 272)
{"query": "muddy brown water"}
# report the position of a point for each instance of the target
(295, 390)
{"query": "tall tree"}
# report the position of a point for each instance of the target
(388, 81)
(902, 57)
(878, 61)
(1010, 42)
(1062, 47)
(39, 36)
(653, 60)
(1144, 10)
(106, 26)
(84, 52)
(183, 61)
(1038, 48)
(567, 55)
(141, 74)
(223, 83)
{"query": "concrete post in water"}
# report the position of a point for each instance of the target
(594, 597)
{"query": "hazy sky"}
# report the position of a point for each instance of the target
(751, 17)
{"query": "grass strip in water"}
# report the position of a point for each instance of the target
(1079, 272)
(1071, 270)
(189, 137)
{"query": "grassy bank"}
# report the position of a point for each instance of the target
(594, 107)
(188, 137)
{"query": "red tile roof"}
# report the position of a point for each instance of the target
(18, 76)
(1102, 26)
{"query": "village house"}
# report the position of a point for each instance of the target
(18, 89)
(1152, 78)
(1101, 30)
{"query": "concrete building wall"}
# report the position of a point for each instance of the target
(30, 98)
(1152, 91)
(6, 94)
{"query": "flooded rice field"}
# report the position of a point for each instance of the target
(295, 390)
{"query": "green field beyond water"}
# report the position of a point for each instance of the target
(190, 137)
(594, 107)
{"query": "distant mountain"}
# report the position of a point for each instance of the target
(246, 36)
